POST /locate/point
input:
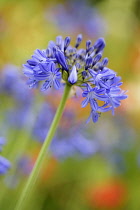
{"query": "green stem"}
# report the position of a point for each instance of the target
(34, 174)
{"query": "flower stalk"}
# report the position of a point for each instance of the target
(35, 172)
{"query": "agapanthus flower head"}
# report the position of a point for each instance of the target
(62, 63)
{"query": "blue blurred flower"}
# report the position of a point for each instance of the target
(69, 140)
(110, 138)
(25, 165)
(19, 117)
(43, 121)
(12, 84)
(8, 79)
(73, 145)
(20, 97)
(2, 142)
(77, 15)
(80, 67)
(4, 165)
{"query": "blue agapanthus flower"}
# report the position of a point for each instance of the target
(61, 63)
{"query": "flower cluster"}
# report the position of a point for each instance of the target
(4, 163)
(61, 63)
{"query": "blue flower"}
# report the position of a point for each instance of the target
(115, 95)
(4, 165)
(94, 115)
(19, 98)
(61, 59)
(2, 142)
(66, 42)
(68, 142)
(19, 117)
(53, 77)
(42, 123)
(73, 75)
(85, 68)
(91, 95)
(13, 85)
(99, 45)
(100, 77)
(39, 56)
(69, 18)
(74, 144)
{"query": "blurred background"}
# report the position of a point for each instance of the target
(89, 166)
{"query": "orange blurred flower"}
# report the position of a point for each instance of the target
(109, 195)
